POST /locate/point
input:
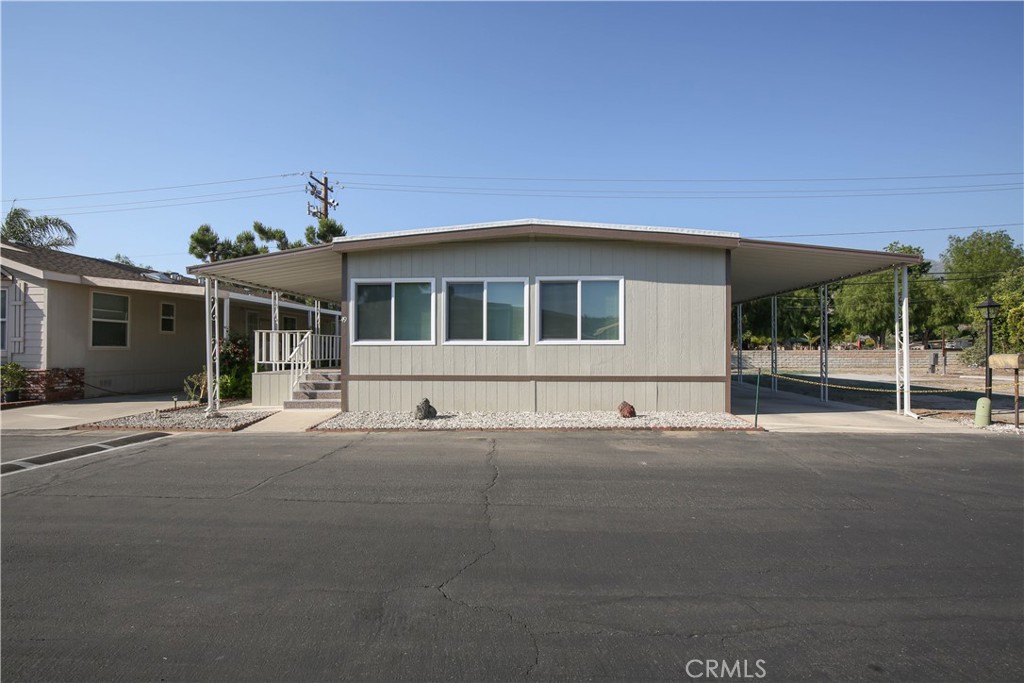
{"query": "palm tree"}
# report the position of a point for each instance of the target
(39, 231)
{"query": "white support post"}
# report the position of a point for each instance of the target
(896, 339)
(905, 307)
(316, 317)
(823, 342)
(212, 346)
(227, 319)
(275, 311)
(775, 343)
(739, 342)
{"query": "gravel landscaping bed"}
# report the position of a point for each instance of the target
(191, 419)
(379, 420)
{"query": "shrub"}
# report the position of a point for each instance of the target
(13, 376)
(195, 387)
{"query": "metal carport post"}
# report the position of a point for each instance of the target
(212, 347)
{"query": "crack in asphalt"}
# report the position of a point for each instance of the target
(442, 588)
(297, 468)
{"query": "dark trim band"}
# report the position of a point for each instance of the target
(695, 379)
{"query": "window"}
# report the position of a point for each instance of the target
(580, 310)
(109, 320)
(485, 311)
(3, 319)
(393, 311)
(252, 323)
(167, 318)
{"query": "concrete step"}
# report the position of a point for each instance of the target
(313, 404)
(323, 376)
(319, 386)
(318, 394)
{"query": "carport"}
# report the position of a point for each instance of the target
(755, 269)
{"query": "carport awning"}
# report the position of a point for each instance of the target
(759, 268)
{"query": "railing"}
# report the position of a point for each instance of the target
(284, 349)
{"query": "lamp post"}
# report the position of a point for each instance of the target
(989, 309)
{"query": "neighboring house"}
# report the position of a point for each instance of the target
(536, 315)
(129, 329)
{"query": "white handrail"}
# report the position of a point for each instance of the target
(299, 361)
(279, 350)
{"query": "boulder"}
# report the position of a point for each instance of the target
(626, 410)
(425, 411)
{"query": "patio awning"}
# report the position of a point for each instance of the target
(759, 268)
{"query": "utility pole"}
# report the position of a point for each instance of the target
(321, 190)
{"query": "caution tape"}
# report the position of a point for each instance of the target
(880, 391)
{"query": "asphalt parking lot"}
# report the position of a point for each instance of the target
(518, 556)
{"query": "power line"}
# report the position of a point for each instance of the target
(168, 206)
(675, 180)
(154, 189)
(554, 195)
(172, 199)
(879, 232)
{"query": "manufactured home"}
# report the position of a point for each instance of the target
(115, 328)
(535, 315)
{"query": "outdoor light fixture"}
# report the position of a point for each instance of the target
(989, 309)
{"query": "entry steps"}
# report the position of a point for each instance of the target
(319, 390)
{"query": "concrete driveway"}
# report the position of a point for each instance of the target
(73, 413)
(787, 412)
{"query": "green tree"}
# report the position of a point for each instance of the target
(207, 245)
(324, 231)
(1008, 325)
(125, 261)
(974, 264)
(40, 231)
(865, 305)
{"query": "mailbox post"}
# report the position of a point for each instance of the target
(1012, 361)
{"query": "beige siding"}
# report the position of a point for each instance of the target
(674, 325)
(271, 388)
(154, 361)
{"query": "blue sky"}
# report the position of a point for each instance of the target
(104, 98)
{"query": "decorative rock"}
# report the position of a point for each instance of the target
(626, 410)
(425, 411)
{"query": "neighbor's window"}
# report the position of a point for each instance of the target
(3, 319)
(395, 311)
(580, 310)
(109, 320)
(167, 317)
(492, 311)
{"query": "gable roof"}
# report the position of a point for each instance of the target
(47, 262)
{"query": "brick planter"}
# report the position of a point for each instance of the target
(56, 384)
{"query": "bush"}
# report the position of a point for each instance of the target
(13, 376)
(236, 383)
(195, 387)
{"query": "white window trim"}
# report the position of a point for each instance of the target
(579, 279)
(392, 281)
(128, 322)
(173, 318)
(524, 281)
(6, 318)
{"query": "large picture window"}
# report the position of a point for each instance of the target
(109, 321)
(479, 311)
(580, 310)
(393, 311)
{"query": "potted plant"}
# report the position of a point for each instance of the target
(13, 377)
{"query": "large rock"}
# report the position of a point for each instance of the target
(626, 410)
(425, 411)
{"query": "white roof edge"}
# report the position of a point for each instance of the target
(535, 221)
